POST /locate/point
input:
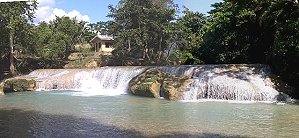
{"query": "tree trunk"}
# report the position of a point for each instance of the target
(129, 42)
(12, 70)
(168, 51)
(146, 51)
(160, 48)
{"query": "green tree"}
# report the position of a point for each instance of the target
(14, 15)
(50, 44)
(244, 31)
(234, 34)
(140, 31)
(190, 36)
(100, 27)
(72, 30)
(25, 41)
(55, 40)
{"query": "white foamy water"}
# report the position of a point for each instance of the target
(227, 82)
(106, 81)
(103, 81)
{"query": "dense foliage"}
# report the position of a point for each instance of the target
(25, 46)
(141, 31)
(14, 17)
(189, 36)
(57, 38)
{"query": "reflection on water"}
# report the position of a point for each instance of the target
(60, 114)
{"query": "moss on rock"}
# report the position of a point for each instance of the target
(147, 84)
(147, 89)
(155, 83)
(174, 86)
(19, 85)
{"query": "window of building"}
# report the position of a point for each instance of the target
(97, 46)
(108, 44)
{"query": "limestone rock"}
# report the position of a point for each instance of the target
(275, 82)
(1, 89)
(147, 84)
(155, 83)
(174, 86)
(281, 97)
(147, 89)
(19, 85)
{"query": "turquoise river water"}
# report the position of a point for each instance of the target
(74, 114)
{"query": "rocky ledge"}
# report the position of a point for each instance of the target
(155, 83)
(18, 84)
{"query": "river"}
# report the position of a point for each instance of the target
(79, 114)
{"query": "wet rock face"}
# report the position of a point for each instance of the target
(173, 87)
(147, 89)
(155, 84)
(281, 97)
(19, 85)
(1, 89)
(147, 84)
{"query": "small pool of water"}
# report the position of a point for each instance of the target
(71, 114)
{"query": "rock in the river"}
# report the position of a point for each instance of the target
(280, 86)
(147, 84)
(19, 85)
(281, 97)
(147, 89)
(174, 86)
(155, 83)
(1, 89)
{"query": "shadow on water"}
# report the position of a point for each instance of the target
(18, 123)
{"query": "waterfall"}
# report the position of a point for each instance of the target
(217, 82)
(101, 81)
(229, 82)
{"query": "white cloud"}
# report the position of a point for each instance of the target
(85, 18)
(44, 3)
(76, 14)
(46, 11)
(58, 12)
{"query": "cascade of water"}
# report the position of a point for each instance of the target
(179, 70)
(48, 79)
(91, 80)
(113, 80)
(222, 82)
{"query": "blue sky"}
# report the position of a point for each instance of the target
(97, 10)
